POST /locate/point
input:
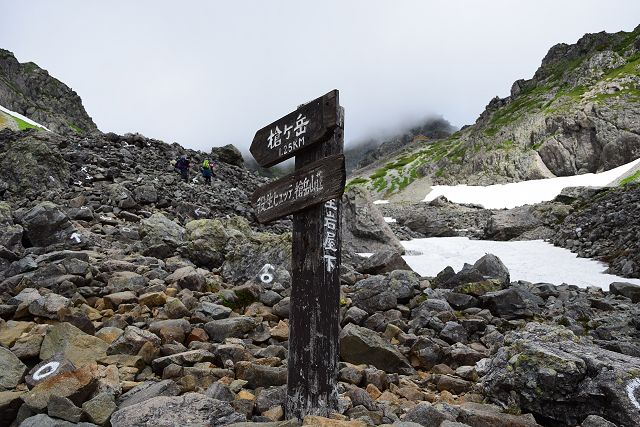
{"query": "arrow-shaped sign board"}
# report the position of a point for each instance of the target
(311, 185)
(311, 123)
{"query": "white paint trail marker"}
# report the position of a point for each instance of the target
(266, 274)
(46, 370)
(76, 237)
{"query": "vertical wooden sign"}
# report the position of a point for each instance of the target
(314, 318)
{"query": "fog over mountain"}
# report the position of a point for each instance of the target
(213, 73)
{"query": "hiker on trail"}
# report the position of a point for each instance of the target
(207, 171)
(182, 166)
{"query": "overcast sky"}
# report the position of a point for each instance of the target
(209, 73)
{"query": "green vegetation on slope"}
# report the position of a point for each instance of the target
(631, 179)
(22, 125)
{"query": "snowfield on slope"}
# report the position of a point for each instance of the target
(507, 196)
(21, 117)
(533, 260)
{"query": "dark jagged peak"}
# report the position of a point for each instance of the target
(363, 153)
(27, 89)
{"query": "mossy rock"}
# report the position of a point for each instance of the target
(30, 166)
(477, 289)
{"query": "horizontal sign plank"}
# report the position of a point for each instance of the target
(311, 123)
(313, 184)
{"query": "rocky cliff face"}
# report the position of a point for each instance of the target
(579, 113)
(29, 90)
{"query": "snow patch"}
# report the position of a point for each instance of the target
(534, 260)
(507, 196)
(21, 117)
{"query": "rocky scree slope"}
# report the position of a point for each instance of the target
(579, 113)
(29, 90)
(606, 226)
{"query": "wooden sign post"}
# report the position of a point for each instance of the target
(312, 193)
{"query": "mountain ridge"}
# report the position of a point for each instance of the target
(578, 113)
(31, 91)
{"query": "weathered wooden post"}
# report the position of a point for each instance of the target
(313, 194)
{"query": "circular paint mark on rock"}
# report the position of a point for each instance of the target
(46, 370)
(266, 274)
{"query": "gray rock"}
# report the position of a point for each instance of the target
(100, 408)
(46, 225)
(270, 397)
(148, 390)
(427, 415)
(146, 194)
(511, 223)
(628, 290)
(161, 236)
(281, 309)
(361, 345)
(221, 391)
(62, 407)
(364, 228)
(132, 341)
(384, 261)
(42, 420)
(354, 315)
(487, 267)
(208, 311)
(596, 421)
(261, 375)
(236, 327)
(228, 154)
(511, 303)
(49, 305)
(10, 403)
(190, 409)
(12, 370)
(206, 240)
(453, 332)
(373, 294)
(426, 353)
(549, 371)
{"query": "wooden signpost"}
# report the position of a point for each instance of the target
(314, 135)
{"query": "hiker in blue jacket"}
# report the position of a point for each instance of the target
(207, 171)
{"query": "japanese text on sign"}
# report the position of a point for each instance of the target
(329, 242)
(282, 138)
(306, 186)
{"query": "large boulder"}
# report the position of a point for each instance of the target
(160, 236)
(206, 240)
(624, 289)
(199, 409)
(512, 303)
(73, 344)
(361, 345)
(363, 226)
(380, 293)
(489, 267)
(30, 167)
(552, 373)
(249, 253)
(511, 223)
(228, 154)
(46, 224)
